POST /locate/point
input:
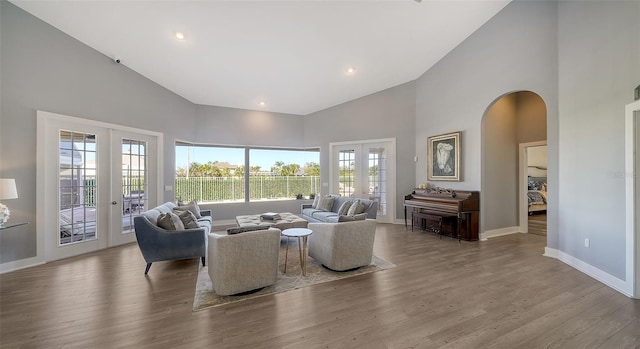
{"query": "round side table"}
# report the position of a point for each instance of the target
(302, 234)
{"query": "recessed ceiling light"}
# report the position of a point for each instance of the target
(262, 103)
(180, 35)
(351, 70)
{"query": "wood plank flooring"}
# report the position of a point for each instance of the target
(497, 294)
(538, 224)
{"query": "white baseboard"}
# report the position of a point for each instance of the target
(602, 276)
(499, 232)
(20, 264)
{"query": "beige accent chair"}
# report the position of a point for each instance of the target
(343, 246)
(243, 262)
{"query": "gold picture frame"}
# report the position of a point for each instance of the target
(443, 157)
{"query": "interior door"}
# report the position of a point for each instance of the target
(133, 158)
(366, 170)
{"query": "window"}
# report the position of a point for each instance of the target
(217, 173)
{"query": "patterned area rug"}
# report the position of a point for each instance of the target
(205, 297)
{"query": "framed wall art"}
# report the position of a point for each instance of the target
(443, 157)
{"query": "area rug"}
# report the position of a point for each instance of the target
(205, 297)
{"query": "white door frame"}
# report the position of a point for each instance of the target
(44, 127)
(522, 184)
(391, 175)
(632, 279)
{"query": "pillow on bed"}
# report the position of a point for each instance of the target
(537, 183)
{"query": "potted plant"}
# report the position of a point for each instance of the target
(312, 196)
(299, 196)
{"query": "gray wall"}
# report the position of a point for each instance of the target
(228, 126)
(218, 125)
(499, 157)
(532, 118)
(515, 51)
(44, 69)
(385, 114)
(599, 66)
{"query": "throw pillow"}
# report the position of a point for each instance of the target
(189, 220)
(358, 217)
(361, 207)
(353, 208)
(344, 208)
(326, 203)
(192, 206)
(316, 200)
(232, 231)
(170, 221)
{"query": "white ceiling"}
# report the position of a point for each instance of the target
(291, 54)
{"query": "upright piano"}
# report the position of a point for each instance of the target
(461, 206)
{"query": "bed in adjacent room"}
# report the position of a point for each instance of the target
(537, 190)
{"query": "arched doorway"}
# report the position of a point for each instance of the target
(510, 121)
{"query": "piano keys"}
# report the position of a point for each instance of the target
(463, 206)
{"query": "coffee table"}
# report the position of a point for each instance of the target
(287, 220)
(302, 234)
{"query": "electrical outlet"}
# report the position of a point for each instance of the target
(587, 243)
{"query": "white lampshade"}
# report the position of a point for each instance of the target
(8, 189)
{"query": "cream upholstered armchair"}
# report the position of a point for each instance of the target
(343, 246)
(243, 262)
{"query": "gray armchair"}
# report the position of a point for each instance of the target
(157, 244)
(343, 246)
(243, 262)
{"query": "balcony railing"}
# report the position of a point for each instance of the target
(224, 189)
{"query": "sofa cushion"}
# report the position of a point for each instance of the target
(344, 208)
(239, 230)
(188, 219)
(310, 211)
(191, 206)
(165, 208)
(326, 203)
(324, 215)
(170, 221)
(152, 216)
(205, 219)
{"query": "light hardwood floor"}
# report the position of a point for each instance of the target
(538, 224)
(497, 294)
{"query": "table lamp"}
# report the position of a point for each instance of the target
(7, 191)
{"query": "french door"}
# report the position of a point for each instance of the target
(366, 169)
(94, 178)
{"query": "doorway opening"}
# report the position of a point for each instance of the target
(512, 126)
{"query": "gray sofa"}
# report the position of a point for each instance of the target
(319, 216)
(158, 244)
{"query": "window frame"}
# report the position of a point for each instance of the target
(247, 167)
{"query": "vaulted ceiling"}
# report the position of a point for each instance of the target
(285, 56)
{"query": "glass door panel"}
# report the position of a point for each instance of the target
(346, 172)
(366, 170)
(132, 159)
(377, 177)
(77, 187)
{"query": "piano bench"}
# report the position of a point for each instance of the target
(431, 216)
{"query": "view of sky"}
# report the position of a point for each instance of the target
(265, 158)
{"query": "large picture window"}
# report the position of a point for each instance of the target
(218, 174)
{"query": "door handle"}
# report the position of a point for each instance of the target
(114, 202)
